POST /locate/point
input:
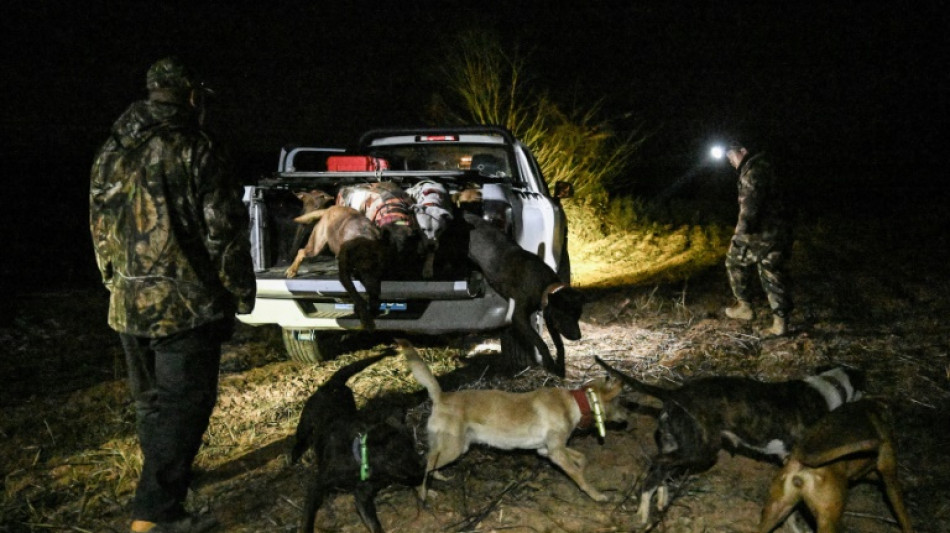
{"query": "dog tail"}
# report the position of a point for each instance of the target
(639, 386)
(344, 374)
(311, 217)
(420, 370)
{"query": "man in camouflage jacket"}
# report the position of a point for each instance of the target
(170, 233)
(762, 239)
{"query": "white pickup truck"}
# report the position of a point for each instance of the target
(313, 308)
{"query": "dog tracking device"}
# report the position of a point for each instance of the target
(361, 455)
(598, 411)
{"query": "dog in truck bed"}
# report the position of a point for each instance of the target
(361, 252)
(389, 207)
(310, 202)
(432, 206)
(765, 418)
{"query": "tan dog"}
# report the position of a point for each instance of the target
(467, 197)
(540, 420)
(357, 244)
(846, 445)
(311, 201)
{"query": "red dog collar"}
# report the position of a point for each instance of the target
(580, 396)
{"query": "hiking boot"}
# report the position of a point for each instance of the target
(779, 327)
(741, 311)
(188, 524)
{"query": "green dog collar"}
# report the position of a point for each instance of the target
(361, 455)
(598, 411)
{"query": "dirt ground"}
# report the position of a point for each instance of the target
(863, 298)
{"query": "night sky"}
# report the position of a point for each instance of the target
(849, 96)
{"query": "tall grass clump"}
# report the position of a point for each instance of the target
(487, 83)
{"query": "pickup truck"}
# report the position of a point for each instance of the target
(313, 308)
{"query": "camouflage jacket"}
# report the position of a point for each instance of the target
(763, 213)
(168, 225)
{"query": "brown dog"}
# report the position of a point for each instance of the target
(541, 420)
(846, 445)
(360, 251)
(701, 417)
(311, 201)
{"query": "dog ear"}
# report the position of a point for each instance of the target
(550, 291)
(575, 296)
(612, 388)
(394, 421)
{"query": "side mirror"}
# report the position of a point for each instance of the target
(563, 189)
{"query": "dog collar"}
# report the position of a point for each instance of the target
(580, 396)
(361, 454)
(592, 413)
(598, 411)
(549, 290)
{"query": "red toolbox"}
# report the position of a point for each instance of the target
(356, 163)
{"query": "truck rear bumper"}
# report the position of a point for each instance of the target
(415, 307)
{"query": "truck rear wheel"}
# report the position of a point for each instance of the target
(308, 346)
(520, 354)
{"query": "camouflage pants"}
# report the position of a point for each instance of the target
(768, 259)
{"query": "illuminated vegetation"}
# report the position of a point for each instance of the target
(486, 84)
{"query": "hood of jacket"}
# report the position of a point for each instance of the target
(143, 118)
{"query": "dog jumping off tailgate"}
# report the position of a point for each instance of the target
(360, 249)
(846, 445)
(353, 454)
(540, 420)
(764, 418)
(523, 277)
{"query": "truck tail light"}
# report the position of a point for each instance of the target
(437, 138)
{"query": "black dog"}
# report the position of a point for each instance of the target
(761, 417)
(353, 454)
(523, 277)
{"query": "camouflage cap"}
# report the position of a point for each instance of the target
(169, 73)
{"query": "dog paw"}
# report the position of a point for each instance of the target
(441, 477)
(430, 495)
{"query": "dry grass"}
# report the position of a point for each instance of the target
(604, 256)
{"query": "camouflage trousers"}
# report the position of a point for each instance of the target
(746, 256)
